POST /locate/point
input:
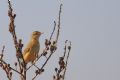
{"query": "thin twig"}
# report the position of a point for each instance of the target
(3, 49)
(44, 64)
(18, 46)
(11, 67)
(63, 61)
(69, 49)
(53, 31)
(5, 68)
(65, 48)
(58, 32)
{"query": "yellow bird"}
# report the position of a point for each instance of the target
(31, 51)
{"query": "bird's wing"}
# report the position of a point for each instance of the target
(28, 48)
(31, 47)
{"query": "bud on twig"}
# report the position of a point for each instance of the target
(10, 74)
(46, 42)
(56, 69)
(45, 53)
(69, 47)
(15, 64)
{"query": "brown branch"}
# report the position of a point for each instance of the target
(53, 31)
(11, 67)
(43, 65)
(60, 72)
(18, 45)
(69, 49)
(61, 63)
(58, 32)
(3, 49)
(65, 48)
(6, 68)
(11, 25)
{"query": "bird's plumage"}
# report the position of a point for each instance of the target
(32, 49)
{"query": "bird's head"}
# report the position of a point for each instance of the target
(36, 34)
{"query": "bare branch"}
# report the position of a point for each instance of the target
(11, 67)
(69, 49)
(60, 72)
(58, 32)
(18, 45)
(53, 31)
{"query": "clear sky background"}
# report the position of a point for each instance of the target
(93, 26)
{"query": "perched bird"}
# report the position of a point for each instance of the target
(31, 51)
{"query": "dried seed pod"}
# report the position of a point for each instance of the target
(37, 72)
(62, 64)
(20, 40)
(49, 43)
(47, 48)
(14, 16)
(42, 70)
(46, 42)
(52, 48)
(15, 63)
(56, 69)
(20, 43)
(8, 65)
(69, 47)
(54, 42)
(61, 76)
(54, 77)
(10, 74)
(45, 53)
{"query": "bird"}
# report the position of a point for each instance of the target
(31, 51)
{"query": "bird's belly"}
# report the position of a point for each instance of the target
(29, 57)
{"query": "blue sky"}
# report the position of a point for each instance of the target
(91, 25)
